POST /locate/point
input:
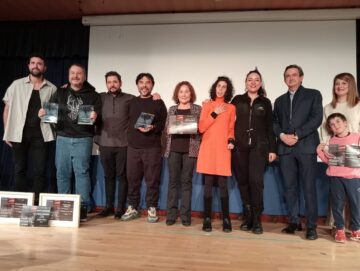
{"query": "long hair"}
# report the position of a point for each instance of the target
(352, 97)
(261, 91)
(177, 89)
(229, 89)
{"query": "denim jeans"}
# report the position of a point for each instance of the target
(74, 154)
(340, 189)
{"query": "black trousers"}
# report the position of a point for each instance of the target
(36, 148)
(181, 170)
(298, 169)
(113, 160)
(143, 163)
(248, 168)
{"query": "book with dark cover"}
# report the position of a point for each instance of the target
(51, 113)
(84, 115)
(144, 120)
(182, 124)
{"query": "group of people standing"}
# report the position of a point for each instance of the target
(236, 135)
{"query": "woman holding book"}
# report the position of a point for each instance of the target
(181, 151)
(217, 127)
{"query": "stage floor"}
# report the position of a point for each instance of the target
(104, 244)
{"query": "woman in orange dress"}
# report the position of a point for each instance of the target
(216, 123)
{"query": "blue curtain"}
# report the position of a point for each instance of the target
(61, 43)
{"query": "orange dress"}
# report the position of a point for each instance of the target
(214, 156)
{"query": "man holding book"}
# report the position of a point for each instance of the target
(23, 130)
(146, 122)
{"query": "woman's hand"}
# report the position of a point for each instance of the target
(220, 109)
(230, 146)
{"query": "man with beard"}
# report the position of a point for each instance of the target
(23, 130)
(112, 139)
(74, 141)
(144, 149)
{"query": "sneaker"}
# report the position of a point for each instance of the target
(152, 217)
(340, 236)
(355, 235)
(130, 214)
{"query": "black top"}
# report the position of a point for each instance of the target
(32, 122)
(151, 139)
(69, 102)
(253, 125)
(180, 143)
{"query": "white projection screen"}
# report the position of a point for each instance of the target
(200, 52)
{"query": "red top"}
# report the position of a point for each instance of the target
(214, 156)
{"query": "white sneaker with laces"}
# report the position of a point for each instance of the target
(152, 217)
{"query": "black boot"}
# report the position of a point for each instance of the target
(257, 226)
(207, 215)
(247, 218)
(226, 218)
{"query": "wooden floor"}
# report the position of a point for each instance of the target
(106, 244)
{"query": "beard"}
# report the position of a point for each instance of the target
(36, 73)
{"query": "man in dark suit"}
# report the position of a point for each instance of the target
(297, 116)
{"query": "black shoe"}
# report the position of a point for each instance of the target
(291, 228)
(186, 223)
(311, 234)
(118, 214)
(106, 212)
(170, 222)
(246, 226)
(227, 225)
(207, 225)
(257, 228)
(83, 213)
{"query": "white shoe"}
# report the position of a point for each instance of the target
(130, 214)
(152, 217)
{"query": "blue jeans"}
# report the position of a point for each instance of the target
(340, 188)
(74, 154)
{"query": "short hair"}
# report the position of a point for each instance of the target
(352, 96)
(177, 89)
(81, 66)
(147, 75)
(261, 91)
(294, 66)
(113, 73)
(229, 90)
(38, 55)
(331, 117)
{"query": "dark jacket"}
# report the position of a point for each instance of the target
(112, 128)
(306, 118)
(69, 103)
(253, 125)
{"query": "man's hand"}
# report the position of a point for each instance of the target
(156, 96)
(289, 139)
(147, 129)
(93, 116)
(41, 113)
(8, 143)
(272, 157)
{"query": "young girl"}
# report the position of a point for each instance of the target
(345, 181)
